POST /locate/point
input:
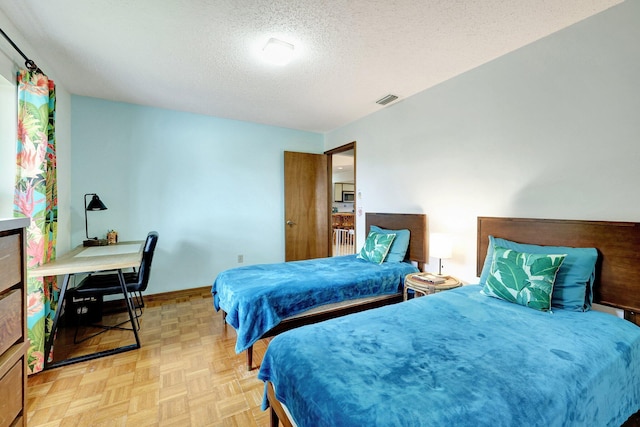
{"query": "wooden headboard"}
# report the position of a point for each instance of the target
(416, 224)
(617, 281)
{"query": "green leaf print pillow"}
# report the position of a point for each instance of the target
(376, 247)
(523, 278)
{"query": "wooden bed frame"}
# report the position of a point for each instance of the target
(617, 269)
(417, 252)
(618, 245)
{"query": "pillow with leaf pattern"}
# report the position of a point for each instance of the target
(573, 288)
(523, 278)
(376, 247)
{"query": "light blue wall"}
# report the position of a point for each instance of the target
(551, 130)
(213, 188)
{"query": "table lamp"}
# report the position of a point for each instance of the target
(440, 246)
(94, 205)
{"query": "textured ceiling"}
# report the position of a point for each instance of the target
(202, 56)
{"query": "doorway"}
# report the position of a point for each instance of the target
(343, 200)
(310, 190)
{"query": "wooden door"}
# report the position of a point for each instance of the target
(306, 210)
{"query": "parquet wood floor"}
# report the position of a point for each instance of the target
(186, 373)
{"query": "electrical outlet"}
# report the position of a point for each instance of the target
(240, 259)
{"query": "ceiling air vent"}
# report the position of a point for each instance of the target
(387, 99)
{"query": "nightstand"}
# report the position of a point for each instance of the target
(421, 287)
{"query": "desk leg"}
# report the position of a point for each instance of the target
(56, 317)
(91, 356)
(127, 299)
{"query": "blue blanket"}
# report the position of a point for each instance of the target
(458, 358)
(257, 297)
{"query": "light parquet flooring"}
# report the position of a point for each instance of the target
(186, 373)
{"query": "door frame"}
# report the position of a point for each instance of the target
(329, 154)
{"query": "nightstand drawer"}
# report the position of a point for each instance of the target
(10, 319)
(10, 261)
(11, 394)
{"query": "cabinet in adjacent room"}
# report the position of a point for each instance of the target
(342, 189)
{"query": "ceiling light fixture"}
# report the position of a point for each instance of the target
(278, 52)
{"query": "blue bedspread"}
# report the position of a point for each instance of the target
(458, 358)
(257, 297)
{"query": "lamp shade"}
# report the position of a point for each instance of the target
(440, 245)
(96, 204)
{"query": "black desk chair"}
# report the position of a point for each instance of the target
(99, 285)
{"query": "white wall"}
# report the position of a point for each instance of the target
(551, 131)
(213, 188)
(10, 63)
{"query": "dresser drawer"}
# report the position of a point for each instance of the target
(10, 261)
(11, 394)
(10, 318)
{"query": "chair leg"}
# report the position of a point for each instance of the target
(138, 303)
(137, 314)
(141, 299)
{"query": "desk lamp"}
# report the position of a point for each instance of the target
(94, 205)
(440, 246)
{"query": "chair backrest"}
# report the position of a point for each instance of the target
(147, 256)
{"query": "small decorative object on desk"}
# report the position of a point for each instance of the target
(112, 237)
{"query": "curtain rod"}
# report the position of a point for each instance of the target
(31, 66)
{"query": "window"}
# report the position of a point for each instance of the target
(8, 116)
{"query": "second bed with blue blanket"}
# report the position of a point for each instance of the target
(256, 298)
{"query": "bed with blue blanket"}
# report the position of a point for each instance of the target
(266, 299)
(469, 357)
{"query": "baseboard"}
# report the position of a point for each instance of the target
(161, 298)
(182, 294)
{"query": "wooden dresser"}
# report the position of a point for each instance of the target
(13, 322)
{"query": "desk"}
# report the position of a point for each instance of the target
(88, 260)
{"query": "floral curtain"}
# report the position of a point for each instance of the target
(36, 197)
